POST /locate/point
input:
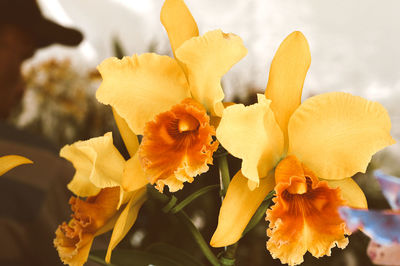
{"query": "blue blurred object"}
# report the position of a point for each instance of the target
(382, 226)
(390, 186)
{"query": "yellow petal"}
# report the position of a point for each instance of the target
(214, 120)
(124, 197)
(178, 22)
(207, 58)
(238, 207)
(351, 192)
(8, 162)
(335, 134)
(286, 77)
(139, 87)
(126, 220)
(97, 162)
(129, 138)
(252, 134)
(134, 177)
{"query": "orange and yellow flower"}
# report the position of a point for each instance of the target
(8, 162)
(170, 101)
(306, 152)
(98, 177)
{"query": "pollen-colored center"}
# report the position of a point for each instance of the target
(297, 187)
(298, 177)
(187, 123)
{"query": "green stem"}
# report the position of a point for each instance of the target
(192, 197)
(189, 224)
(227, 258)
(224, 173)
(198, 237)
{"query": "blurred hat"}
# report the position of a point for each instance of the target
(26, 15)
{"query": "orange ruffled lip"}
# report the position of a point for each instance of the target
(177, 145)
(73, 240)
(305, 215)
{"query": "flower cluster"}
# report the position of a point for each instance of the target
(305, 152)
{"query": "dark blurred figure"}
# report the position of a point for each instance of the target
(33, 200)
(23, 29)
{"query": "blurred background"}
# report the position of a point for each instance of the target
(49, 51)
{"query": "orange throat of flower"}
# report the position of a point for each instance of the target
(74, 239)
(177, 145)
(305, 215)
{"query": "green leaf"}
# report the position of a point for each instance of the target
(123, 257)
(173, 253)
(156, 254)
(192, 197)
(182, 216)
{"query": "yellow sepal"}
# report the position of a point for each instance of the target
(8, 162)
(239, 205)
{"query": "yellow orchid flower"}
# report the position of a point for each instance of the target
(306, 152)
(99, 172)
(8, 162)
(166, 100)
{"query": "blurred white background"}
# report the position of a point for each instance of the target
(354, 44)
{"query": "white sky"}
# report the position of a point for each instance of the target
(354, 44)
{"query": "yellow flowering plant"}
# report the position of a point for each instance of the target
(99, 170)
(306, 152)
(174, 104)
(303, 154)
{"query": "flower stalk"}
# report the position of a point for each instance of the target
(184, 218)
(227, 258)
(192, 197)
(223, 174)
(198, 238)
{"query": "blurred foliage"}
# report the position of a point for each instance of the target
(60, 103)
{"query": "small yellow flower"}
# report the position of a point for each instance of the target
(306, 152)
(8, 162)
(169, 101)
(99, 172)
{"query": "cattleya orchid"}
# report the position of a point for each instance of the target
(306, 152)
(8, 162)
(170, 101)
(99, 171)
